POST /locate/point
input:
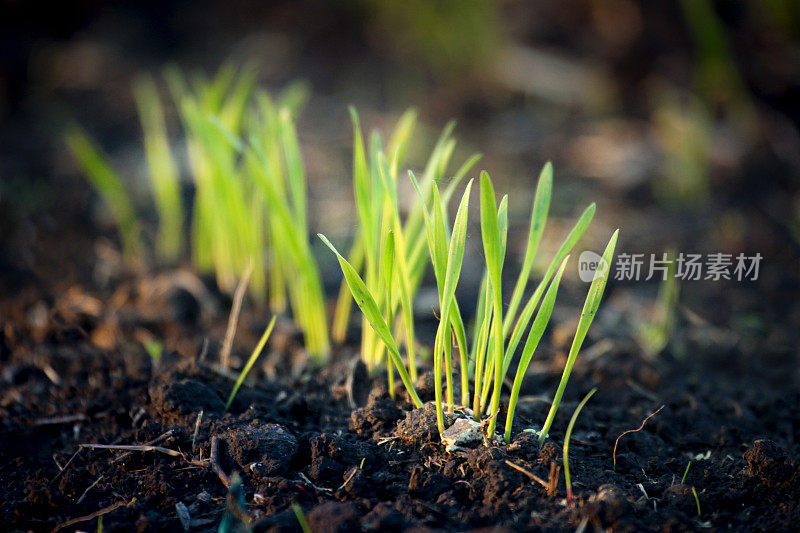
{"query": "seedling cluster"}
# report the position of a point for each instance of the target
(496, 332)
(250, 206)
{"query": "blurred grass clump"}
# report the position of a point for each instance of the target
(249, 189)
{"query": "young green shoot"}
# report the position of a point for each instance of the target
(654, 335)
(534, 336)
(375, 186)
(164, 177)
(490, 232)
(686, 472)
(250, 362)
(567, 436)
(696, 501)
(590, 307)
(111, 188)
(301, 517)
(371, 311)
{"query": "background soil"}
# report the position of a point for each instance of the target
(74, 320)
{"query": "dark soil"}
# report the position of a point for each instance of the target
(332, 440)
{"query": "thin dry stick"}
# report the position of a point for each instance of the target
(215, 463)
(63, 469)
(197, 429)
(156, 440)
(346, 481)
(233, 319)
(65, 419)
(101, 512)
(134, 448)
(90, 487)
(651, 415)
(528, 473)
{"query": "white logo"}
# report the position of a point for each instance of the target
(590, 266)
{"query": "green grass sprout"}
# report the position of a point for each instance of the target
(301, 517)
(164, 176)
(110, 186)
(686, 472)
(654, 335)
(696, 501)
(587, 316)
(250, 201)
(567, 436)
(375, 186)
(250, 362)
(534, 336)
(155, 350)
(371, 311)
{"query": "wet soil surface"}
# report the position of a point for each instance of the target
(74, 372)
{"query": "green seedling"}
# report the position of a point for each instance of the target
(155, 350)
(654, 335)
(301, 517)
(567, 436)
(110, 186)
(686, 472)
(373, 314)
(375, 186)
(250, 191)
(696, 501)
(164, 176)
(250, 362)
(587, 316)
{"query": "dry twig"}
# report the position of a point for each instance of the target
(101, 512)
(215, 463)
(528, 473)
(651, 415)
(233, 319)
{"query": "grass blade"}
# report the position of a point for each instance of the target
(110, 186)
(534, 336)
(492, 247)
(587, 316)
(527, 312)
(367, 304)
(539, 211)
(164, 177)
(250, 362)
(566, 443)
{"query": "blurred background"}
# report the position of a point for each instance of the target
(679, 118)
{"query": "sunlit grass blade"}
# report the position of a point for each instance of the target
(294, 169)
(567, 436)
(301, 517)
(103, 178)
(492, 247)
(388, 275)
(344, 301)
(294, 97)
(541, 206)
(164, 177)
(455, 256)
(587, 316)
(534, 336)
(527, 312)
(250, 362)
(369, 307)
(399, 141)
